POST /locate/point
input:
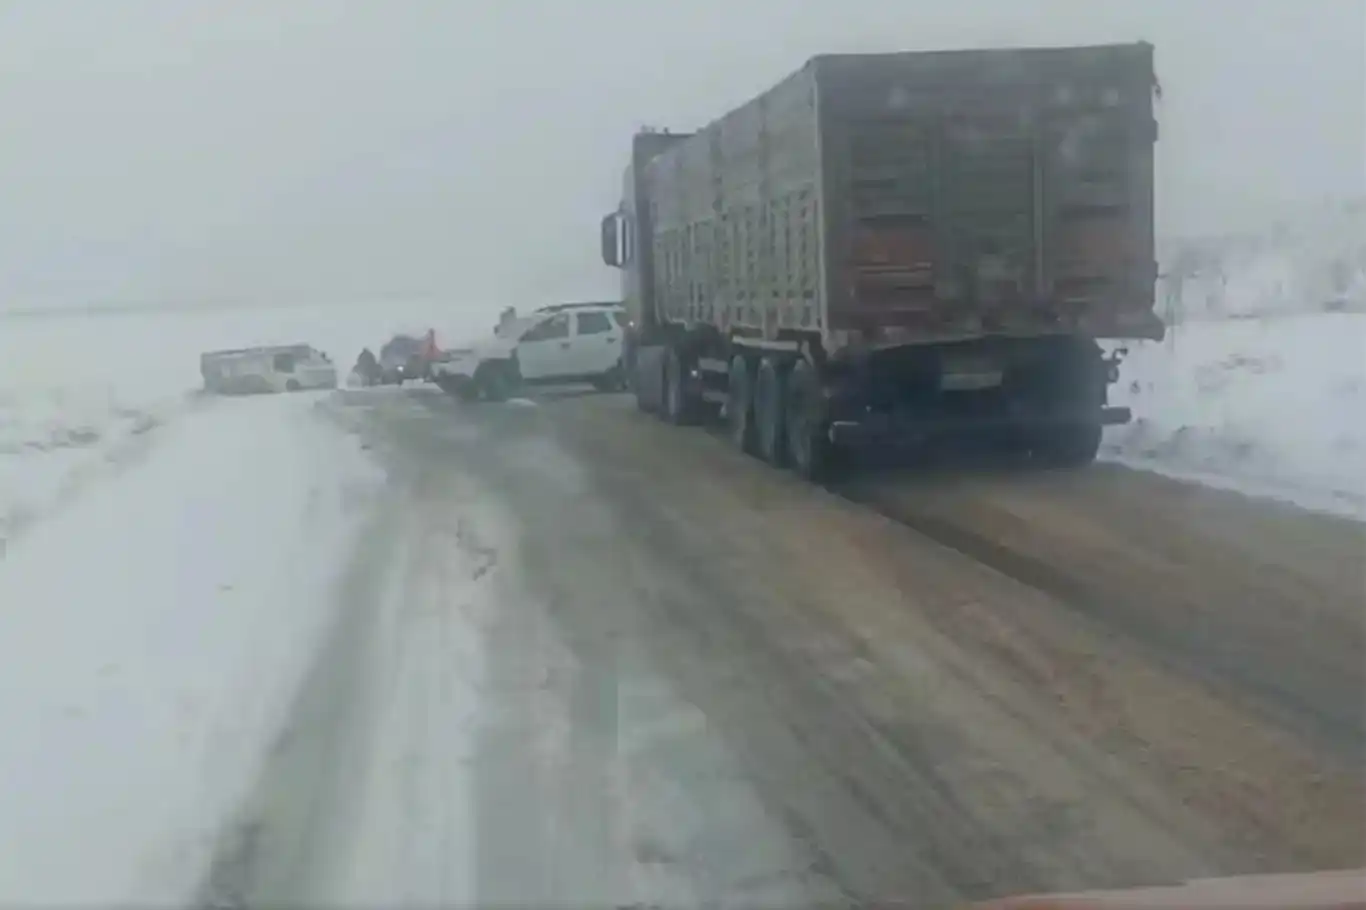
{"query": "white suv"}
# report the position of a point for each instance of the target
(571, 342)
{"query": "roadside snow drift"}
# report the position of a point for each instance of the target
(1271, 406)
(152, 635)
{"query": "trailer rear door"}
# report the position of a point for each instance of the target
(991, 191)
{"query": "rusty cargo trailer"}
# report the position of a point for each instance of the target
(894, 248)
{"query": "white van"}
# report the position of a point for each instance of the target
(264, 370)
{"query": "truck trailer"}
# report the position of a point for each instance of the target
(894, 249)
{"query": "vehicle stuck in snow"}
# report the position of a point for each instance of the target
(267, 369)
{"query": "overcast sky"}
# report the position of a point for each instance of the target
(316, 150)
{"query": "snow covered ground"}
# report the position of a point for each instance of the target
(1260, 385)
(151, 638)
(81, 392)
(1271, 406)
(1313, 259)
(167, 562)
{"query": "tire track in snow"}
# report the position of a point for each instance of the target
(267, 855)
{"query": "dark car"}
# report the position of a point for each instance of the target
(401, 359)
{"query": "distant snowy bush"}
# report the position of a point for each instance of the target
(1309, 261)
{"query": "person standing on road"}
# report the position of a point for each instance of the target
(367, 367)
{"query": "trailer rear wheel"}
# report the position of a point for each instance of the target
(740, 405)
(770, 411)
(808, 446)
(1071, 446)
(678, 408)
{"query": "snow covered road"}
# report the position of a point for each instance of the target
(458, 744)
(565, 670)
(372, 647)
(151, 635)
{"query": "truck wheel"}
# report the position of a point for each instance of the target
(647, 381)
(678, 409)
(770, 406)
(493, 381)
(740, 405)
(1072, 446)
(292, 386)
(808, 446)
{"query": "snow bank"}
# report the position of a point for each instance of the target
(1262, 380)
(1269, 406)
(151, 637)
(80, 393)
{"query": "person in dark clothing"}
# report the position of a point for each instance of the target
(367, 367)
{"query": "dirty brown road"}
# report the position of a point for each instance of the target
(919, 689)
(1216, 645)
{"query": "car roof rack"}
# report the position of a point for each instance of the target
(556, 307)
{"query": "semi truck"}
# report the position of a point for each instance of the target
(895, 249)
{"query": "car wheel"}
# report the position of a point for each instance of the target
(495, 381)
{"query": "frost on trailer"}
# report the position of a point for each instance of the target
(894, 248)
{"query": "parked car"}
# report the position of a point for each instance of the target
(564, 343)
(268, 369)
(398, 358)
(406, 357)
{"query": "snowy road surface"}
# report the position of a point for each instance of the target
(373, 648)
(150, 636)
(570, 672)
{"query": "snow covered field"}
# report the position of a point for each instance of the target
(1312, 261)
(80, 392)
(1272, 406)
(1261, 382)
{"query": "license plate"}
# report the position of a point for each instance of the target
(969, 374)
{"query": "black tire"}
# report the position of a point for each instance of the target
(678, 409)
(810, 453)
(643, 402)
(493, 381)
(770, 411)
(611, 381)
(292, 385)
(1071, 446)
(740, 405)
